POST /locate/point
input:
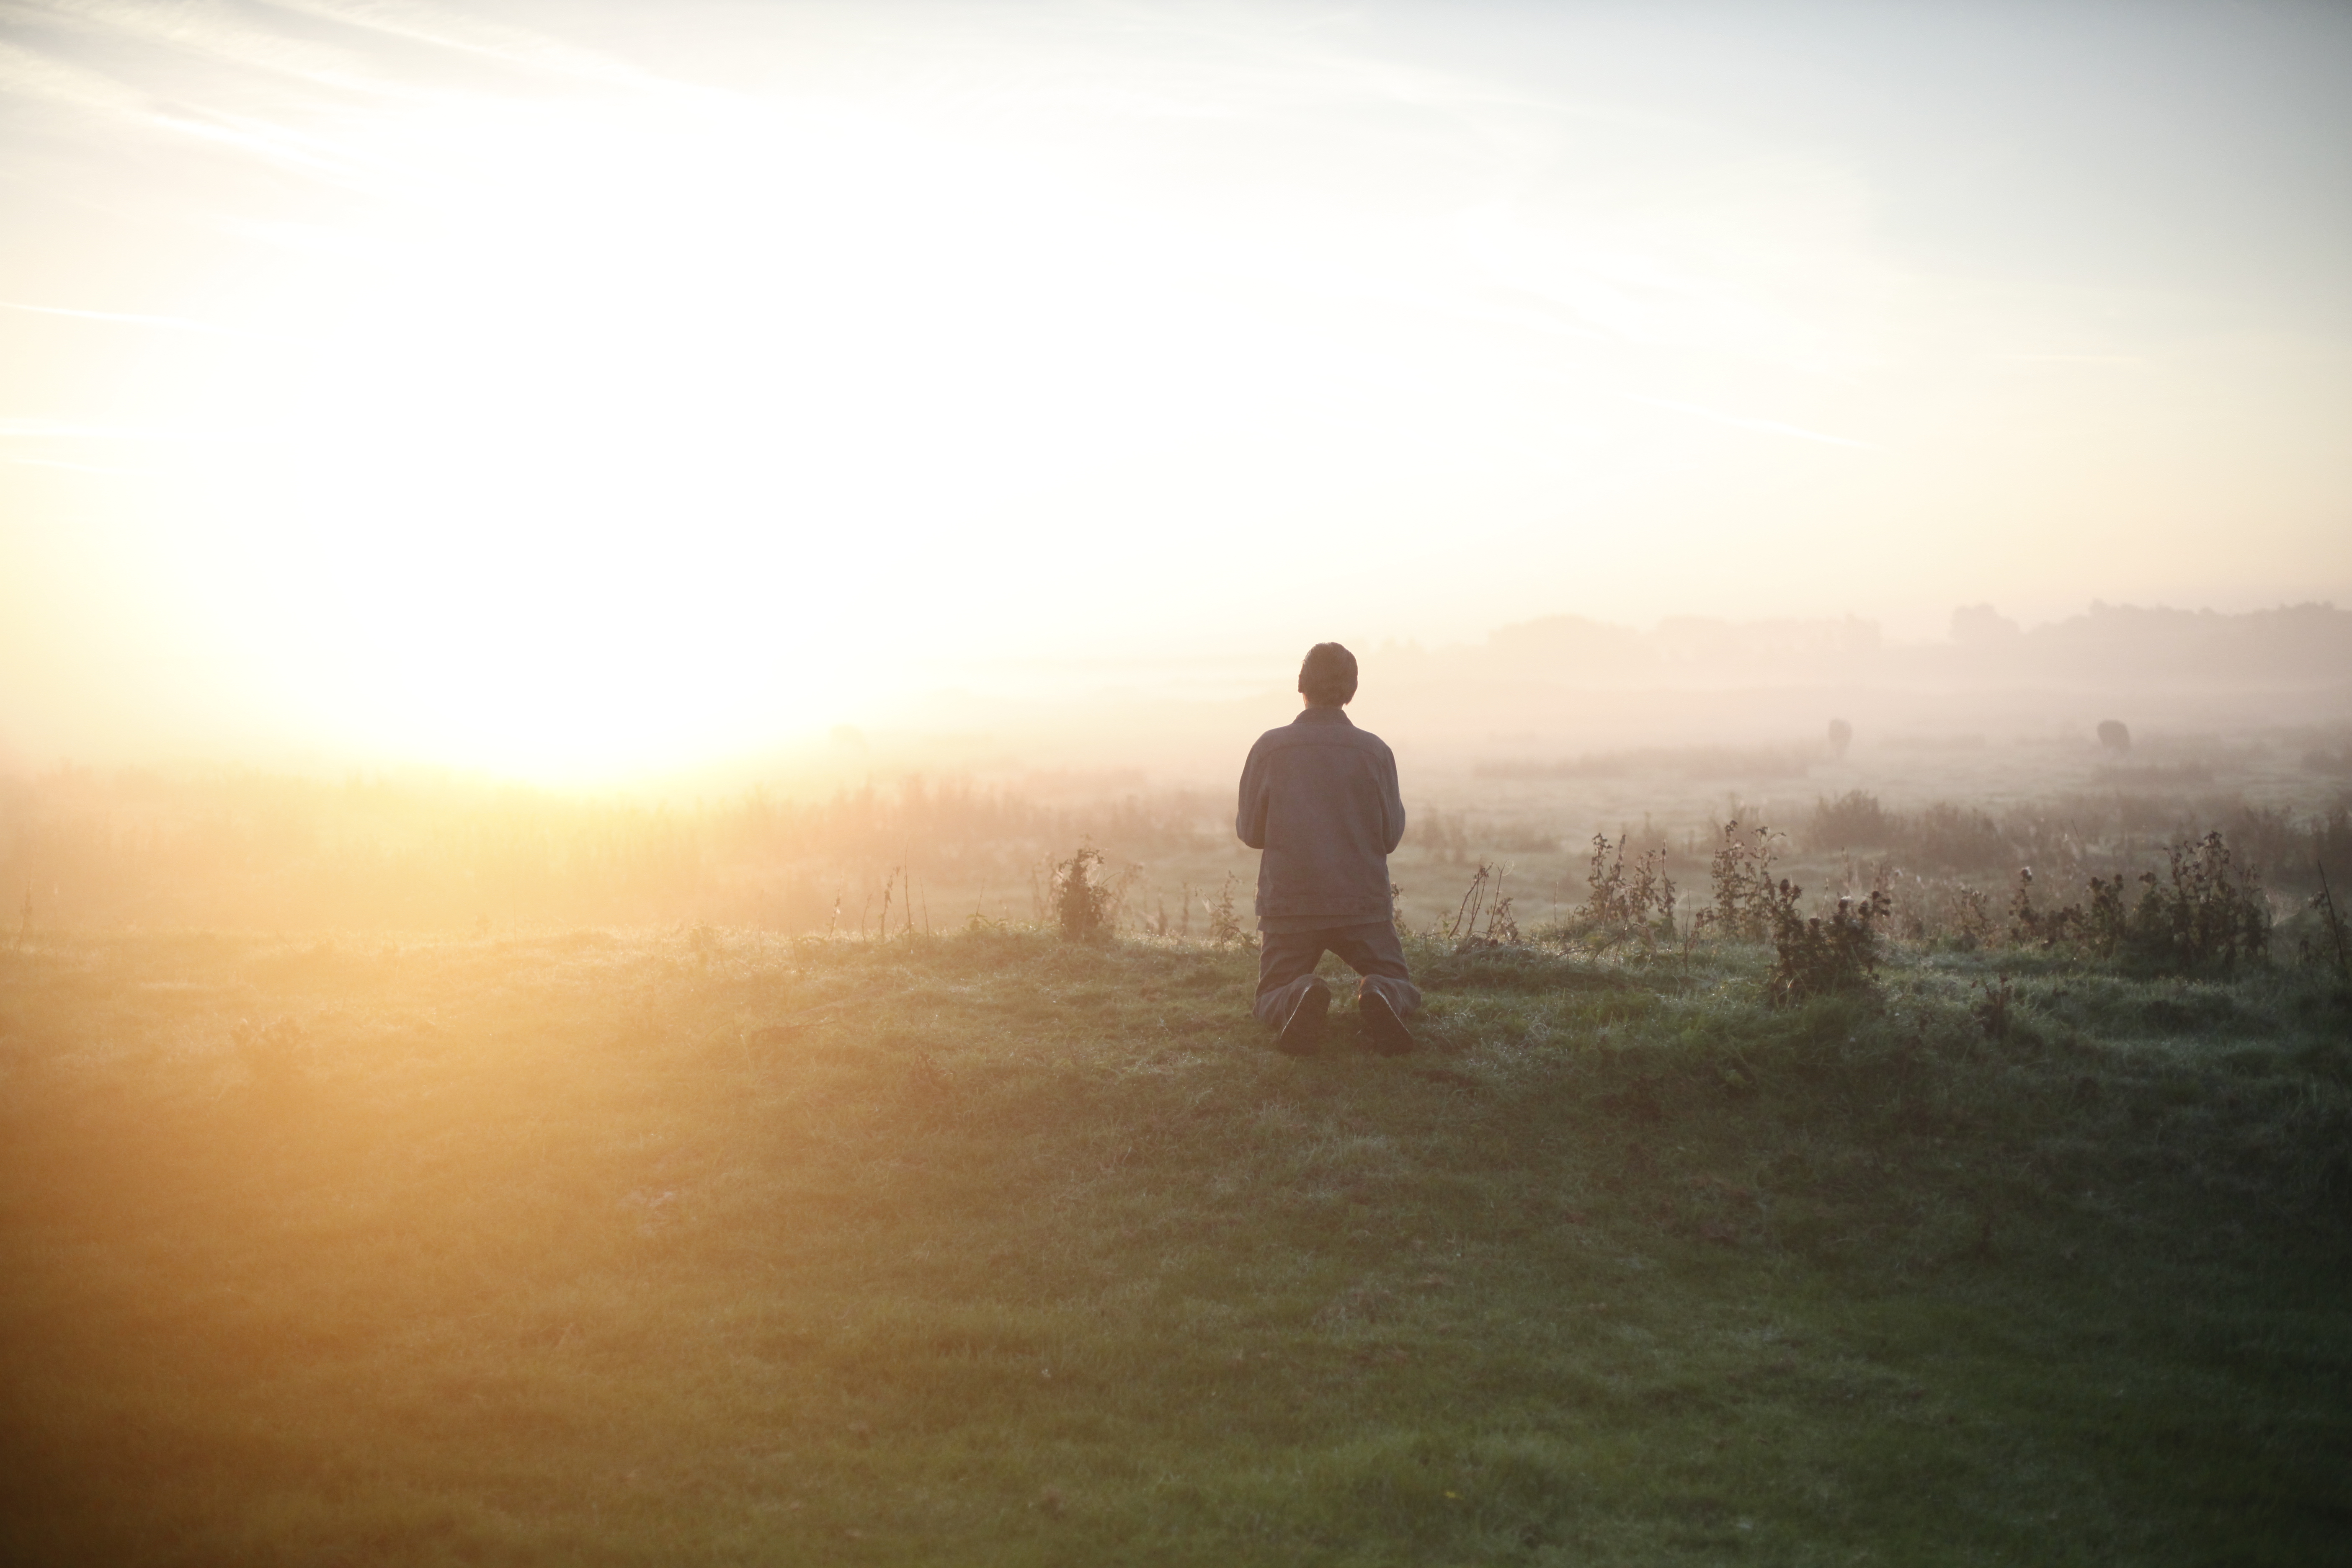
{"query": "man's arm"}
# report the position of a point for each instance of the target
(1249, 821)
(1392, 801)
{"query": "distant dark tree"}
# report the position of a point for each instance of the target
(2114, 736)
(1841, 737)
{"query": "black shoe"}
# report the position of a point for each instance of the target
(1303, 1030)
(1384, 1033)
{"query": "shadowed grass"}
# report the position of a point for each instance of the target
(999, 1248)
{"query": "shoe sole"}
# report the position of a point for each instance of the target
(1304, 1029)
(1384, 1033)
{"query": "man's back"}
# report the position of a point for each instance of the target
(1319, 799)
(1320, 796)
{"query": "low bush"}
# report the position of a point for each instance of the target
(2203, 915)
(1485, 896)
(1739, 875)
(1823, 956)
(1622, 903)
(1086, 903)
(1224, 920)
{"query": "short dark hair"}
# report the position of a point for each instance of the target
(1328, 675)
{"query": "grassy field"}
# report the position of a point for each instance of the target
(992, 1248)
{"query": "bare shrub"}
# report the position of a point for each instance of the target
(1626, 902)
(1224, 922)
(2029, 925)
(2204, 913)
(2323, 903)
(1158, 923)
(1085, 901)
(1741, 876)
(1817, 956)
(1938, 909)
(1484, 895)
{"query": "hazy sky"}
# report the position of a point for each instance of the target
(580, 387)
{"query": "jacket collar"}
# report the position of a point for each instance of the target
(1323, 716)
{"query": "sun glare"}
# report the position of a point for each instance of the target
(637, 418)
(736, 410)
(729, 410)
(507, 402)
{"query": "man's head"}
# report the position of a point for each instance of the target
(1329, 677)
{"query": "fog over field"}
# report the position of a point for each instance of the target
(1564, 687)
(626, 636)
(2092, 738)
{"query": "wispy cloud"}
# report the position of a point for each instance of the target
(453, 29)
(40, 76)
(216, 32)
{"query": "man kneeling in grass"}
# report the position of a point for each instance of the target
(1319, 797)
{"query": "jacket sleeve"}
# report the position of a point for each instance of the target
(1392, 800)
(1249, 821)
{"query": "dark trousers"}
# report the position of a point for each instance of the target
(1287, 960)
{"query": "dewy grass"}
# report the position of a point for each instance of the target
(1000, 1249)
